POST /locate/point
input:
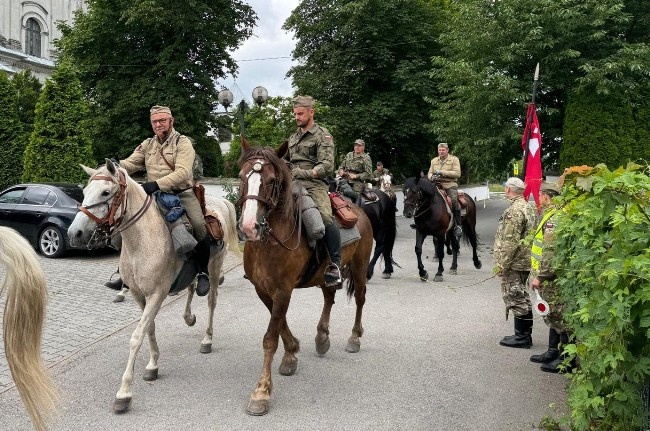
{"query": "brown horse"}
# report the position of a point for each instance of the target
(23, 325)
(277, 260)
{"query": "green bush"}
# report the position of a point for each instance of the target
(59, 142)
(603, 259)
(11, 135)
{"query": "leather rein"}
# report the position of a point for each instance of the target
(111, 223)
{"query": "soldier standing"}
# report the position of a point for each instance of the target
(446, 168)
(357, 167)
(311, 151)
(512, 262)
(542, 276)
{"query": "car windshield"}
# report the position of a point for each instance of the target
(75, 193)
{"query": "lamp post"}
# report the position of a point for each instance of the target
(225, 97)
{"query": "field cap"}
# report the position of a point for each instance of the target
(157, 109)
(550, 188)
(359, 142)
(443, 145)
(303, 102)
(515, 184)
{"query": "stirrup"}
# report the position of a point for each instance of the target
(333, 276)
(458, 231)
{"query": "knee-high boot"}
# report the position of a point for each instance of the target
(523, 332)
(332, 240)
(201, 258)
(458, 230)
(552, 353)
(554, 365)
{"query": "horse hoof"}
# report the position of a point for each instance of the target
(150, 375)
(353, 347)
(121, 405)
(452, 272)
(437, 278)
(191, 321)
(118, 298)
(425, 276)
(206, 348)
(478, 265)
(257, 408)
(288, 368)
(385, 275)
(322, 347)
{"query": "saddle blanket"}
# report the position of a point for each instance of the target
(349, 236)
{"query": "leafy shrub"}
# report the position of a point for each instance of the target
(11, 135)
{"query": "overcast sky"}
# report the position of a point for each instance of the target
(265, 58)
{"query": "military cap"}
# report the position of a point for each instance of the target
(359, 142)
(443, 145)
(157, 109)
(550, 188)
(303, 102)
(515, 184)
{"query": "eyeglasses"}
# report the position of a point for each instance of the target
(161, 121)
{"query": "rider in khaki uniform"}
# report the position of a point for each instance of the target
(357, 166)
(446, 168)
(168, 158)
(512, 262)
(543, 276)
(311, 152)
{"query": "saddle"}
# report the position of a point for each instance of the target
(370, 195)
(462, 199)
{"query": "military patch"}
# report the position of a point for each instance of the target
(327, 137)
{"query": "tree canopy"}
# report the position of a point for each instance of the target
(133, 54)
(11, 134)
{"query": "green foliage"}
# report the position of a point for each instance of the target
(28, 88)
(597, 129)
(602, 252)
(210, 152)
(642, 122)
(60, 141)
(369, 62)
(133, 54)
(489, 53)
(11, 134)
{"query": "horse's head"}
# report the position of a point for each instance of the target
(385, 183)
(264, 187)
(412, 196)
(103, 204)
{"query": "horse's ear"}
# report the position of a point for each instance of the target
(422, 174)
(88, 170)
(282, 149)
(245, 146)
(112, 167)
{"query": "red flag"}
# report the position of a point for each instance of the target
(531, 143)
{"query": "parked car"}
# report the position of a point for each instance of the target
(42, 213)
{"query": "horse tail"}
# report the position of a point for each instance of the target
(23, 325)
(231, 228)
(351, 286)
(390, 226)
(469, 224)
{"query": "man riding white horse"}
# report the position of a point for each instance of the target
(168, 158)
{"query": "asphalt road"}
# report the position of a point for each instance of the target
(429, 359)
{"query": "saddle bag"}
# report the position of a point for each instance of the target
(342, 211)
(213, 227)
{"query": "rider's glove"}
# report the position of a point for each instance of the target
(301, 174)
(150, 187)
(438, 172)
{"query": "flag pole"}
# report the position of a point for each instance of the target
(535, 81)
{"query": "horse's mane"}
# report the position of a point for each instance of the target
(285, 201)
(428, 187)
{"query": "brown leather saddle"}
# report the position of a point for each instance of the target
(462, 199)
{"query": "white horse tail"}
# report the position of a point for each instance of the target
(23, 325)
(227, 214)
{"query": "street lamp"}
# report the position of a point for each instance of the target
(225, 97)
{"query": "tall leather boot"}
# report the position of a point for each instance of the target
(332, 240)
(523, 331)
(115, 284)
(201, 258)
(458, 230)
(554, 365)
(553, 352)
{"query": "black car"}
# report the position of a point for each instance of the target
(42, 213)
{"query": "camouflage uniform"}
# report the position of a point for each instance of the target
(359, 164)
(314, 150)
(376, 176)
(511, 257)
(153, 157)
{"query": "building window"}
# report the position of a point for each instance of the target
(33, 38)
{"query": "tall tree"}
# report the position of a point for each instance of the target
(11, 134)
(368, 61)
(490, 49)
(60, 140)
(28, 88)
(133, 54)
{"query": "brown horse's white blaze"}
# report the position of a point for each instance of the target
(251, 208)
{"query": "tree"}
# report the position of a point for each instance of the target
(489, 53)
(60, 140)
(11, 134)
(133, 54)
(28, 88)
(369, 63)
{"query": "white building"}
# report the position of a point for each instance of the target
(27, 33)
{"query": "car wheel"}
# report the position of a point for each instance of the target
(51, 242)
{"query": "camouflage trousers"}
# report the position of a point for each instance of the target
(554, 319)
(515, 292)
(453, 195)
(317, 190)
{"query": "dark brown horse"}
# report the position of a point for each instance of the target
(425, 204)
(277, 260)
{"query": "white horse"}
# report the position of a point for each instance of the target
(148, 263)
(23, 325)
(386, 184)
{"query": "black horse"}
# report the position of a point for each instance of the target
(384, 228)
(425, 204)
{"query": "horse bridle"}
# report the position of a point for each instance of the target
(111, 225)
(419, 201)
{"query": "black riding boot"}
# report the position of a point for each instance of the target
(523, 331)
(115, 284)
(554, 365)
(458, 230)
(552, 353)
(333, 244)
(201, 258)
